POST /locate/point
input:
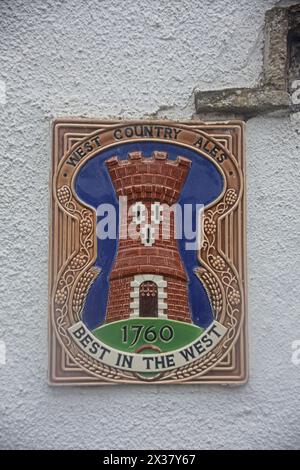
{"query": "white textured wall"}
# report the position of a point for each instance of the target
(133, 58)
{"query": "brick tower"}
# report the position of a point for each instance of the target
(148, 278)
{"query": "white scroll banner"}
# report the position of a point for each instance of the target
(103, 353)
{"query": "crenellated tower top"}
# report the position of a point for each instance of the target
(154, 178)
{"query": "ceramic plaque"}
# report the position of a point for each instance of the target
(147, 253)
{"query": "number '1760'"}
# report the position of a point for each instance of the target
(149, 334)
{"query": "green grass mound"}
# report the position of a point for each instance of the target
(131, 335)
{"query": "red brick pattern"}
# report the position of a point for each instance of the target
(148, 180)
(161, 258)
(119, 299)
(178, 304)
(152, 179)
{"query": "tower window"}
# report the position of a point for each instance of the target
(147, 235)
(156, 213)
(139, 213)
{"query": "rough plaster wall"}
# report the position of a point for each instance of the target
(110, 58)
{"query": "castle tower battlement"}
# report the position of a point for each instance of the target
(148, 277)
(149, 178)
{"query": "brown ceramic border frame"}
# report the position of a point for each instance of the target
(63, 371)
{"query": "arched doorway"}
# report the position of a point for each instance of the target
(148, 299)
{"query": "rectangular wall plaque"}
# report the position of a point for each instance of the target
(147, 253)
